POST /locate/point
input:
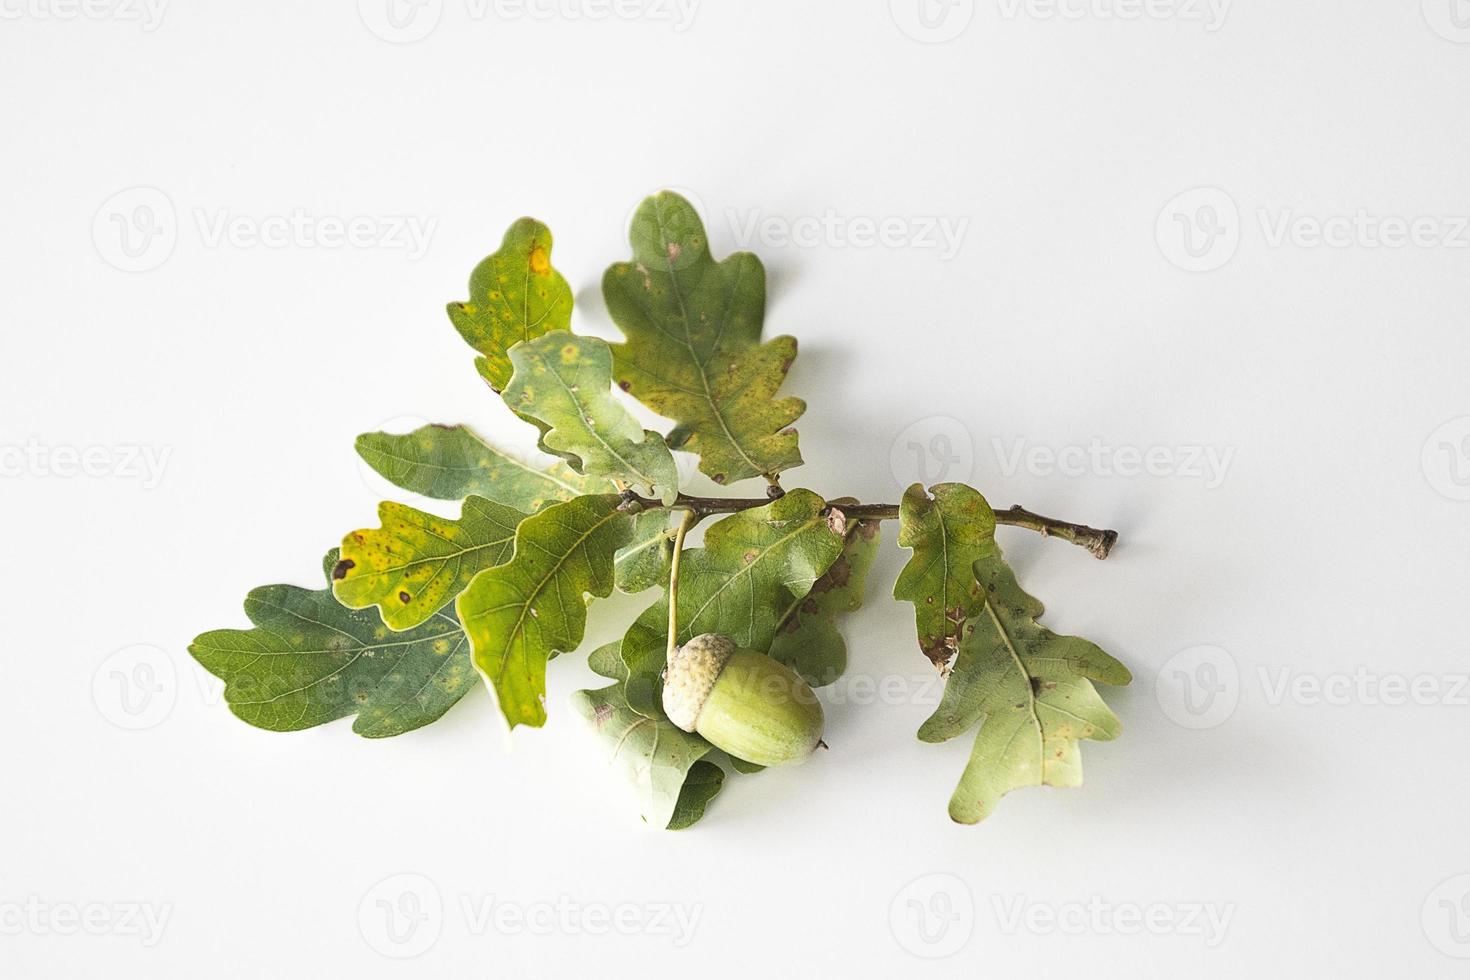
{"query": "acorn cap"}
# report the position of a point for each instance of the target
(691, 675)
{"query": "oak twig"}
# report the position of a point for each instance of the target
(1098, 541)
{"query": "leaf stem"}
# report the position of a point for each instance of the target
(688, 520)
(1096, 540)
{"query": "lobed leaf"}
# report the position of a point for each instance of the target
(563, 383)
(515, 295)
(740, 583)
(693, 351)
(417, 563)
(644, 561)
(1028, 689)
(948, 533)
(520, 614)
(310, 660)
(658, 758)
(808, 640)
(449, 462)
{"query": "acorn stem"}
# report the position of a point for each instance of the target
(686, 521)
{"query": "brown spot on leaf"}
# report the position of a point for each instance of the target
(404, 598)
(625, 385)
(340, 570)
(837, 576)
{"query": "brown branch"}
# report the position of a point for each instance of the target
(1099, 542)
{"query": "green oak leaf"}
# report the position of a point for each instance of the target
(948, 533)
(563, 383)
(740, 583)
(701, 785)
(520, 614)
(693, 351)
(808, 640)
(417, 563)
(606, 661)
(659, 758)
(1029, 690)
(449, 462)
(515, 295)
(644, 561)
(310, 660)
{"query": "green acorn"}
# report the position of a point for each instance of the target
(742, 701)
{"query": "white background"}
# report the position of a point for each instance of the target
(1335, 544)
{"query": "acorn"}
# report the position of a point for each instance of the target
(753, 707)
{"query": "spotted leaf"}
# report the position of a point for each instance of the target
(693, 351)
(1028, 689)
(310, 660)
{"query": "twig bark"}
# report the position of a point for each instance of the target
(1098, 541)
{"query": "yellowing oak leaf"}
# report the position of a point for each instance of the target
(417, 563)
(515, 295)
(693, 351)
(563, 383)
(520, 614)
